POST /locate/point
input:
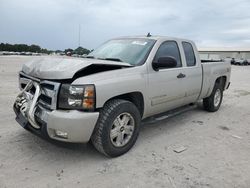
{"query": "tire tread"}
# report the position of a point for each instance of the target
(208, 103)
(105, 112)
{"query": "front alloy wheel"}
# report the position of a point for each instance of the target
(122, 129)
(117, 128)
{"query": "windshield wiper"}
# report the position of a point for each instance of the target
(111, 59)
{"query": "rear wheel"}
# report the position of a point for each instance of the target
(213, 102)
(117, 128)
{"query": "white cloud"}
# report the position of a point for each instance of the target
(54, 23)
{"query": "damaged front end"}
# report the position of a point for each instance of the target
(50, 106)
(36, 109)
(32, 105)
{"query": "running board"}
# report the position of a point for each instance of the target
(168, 114)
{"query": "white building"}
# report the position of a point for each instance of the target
(222, 53)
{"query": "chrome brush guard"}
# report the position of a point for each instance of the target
(26, 102)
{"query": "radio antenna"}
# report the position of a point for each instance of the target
(149, 34)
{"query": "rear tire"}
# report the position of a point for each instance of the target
(213, 102)
(117, 128)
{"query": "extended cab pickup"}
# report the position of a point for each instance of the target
(104, 96)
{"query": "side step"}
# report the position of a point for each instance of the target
(169, 114)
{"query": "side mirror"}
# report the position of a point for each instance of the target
(164, 62)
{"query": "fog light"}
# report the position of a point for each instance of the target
(61, 134)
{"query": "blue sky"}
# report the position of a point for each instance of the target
(54, 24)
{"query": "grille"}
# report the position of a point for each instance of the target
(49, 90)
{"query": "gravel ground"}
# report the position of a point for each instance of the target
(217, 147)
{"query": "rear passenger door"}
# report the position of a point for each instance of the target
(166, 90)
(193, 72)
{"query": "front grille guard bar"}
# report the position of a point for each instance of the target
(31, 110)
(24, 79)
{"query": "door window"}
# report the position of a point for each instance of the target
(169, 48)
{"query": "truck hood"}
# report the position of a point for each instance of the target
(55, 68)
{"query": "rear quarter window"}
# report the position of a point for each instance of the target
(189, 54)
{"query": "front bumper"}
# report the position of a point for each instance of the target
(76, 126)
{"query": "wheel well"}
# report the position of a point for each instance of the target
(222, 80)
(135, 97)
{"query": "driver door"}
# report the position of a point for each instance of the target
(166, 90)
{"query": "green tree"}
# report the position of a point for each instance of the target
(34, 48)
(80, 51)
(21, 48)
(68, 50)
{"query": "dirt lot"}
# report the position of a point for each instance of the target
(217, 154)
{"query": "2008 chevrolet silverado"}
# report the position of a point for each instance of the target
(104, 97)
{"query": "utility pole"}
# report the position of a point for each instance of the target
(79, 36)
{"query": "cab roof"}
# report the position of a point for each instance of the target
(154, 37)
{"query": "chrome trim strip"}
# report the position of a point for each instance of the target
(51, 93)
(32, 109)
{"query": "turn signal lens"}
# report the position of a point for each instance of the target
(88, 103)
(89, 91)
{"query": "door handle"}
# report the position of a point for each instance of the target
(181, 75)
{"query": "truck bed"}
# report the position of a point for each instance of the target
(211, 70)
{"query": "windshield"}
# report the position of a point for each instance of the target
(132, 51)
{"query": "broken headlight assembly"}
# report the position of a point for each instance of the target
(77, 97)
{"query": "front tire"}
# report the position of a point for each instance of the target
(213, 102)
(117, 128)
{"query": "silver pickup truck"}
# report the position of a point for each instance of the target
(103, 98)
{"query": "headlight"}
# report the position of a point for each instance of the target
(80, 97)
